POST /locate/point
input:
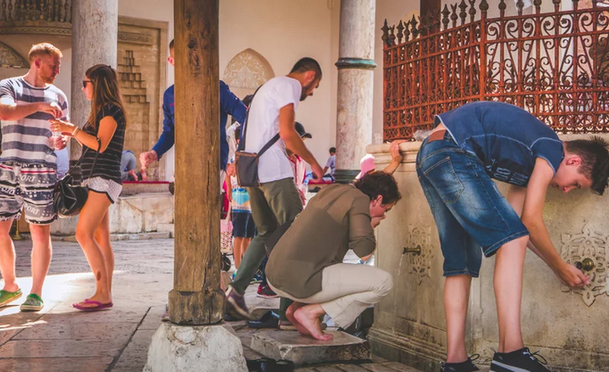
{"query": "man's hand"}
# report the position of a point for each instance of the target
(60, 142)
(51, 108)
(146, 158)
(571, 276)
(394, 150)
(376, 221)
(318, 173)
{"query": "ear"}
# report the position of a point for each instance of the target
(37, 62)
(310, 76)
(574, 160)
(377, 201)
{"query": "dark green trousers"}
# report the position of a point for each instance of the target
(273, 204)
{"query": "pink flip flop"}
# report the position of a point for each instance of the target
(98, 306)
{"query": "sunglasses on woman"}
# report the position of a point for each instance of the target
(85, 82)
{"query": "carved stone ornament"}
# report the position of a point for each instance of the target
(421, 254)
(588, 247)
(10, 58)
(248, 69)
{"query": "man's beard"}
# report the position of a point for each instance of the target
(305, 90)
(48, 79)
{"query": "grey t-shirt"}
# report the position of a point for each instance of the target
(335, 220)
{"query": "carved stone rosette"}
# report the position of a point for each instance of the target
(420, 263)
(589, 246)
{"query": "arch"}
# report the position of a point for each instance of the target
(10, 58)
(248, 69)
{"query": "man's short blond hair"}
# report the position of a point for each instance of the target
(43, 49)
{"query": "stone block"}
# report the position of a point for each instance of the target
(195, 348)
(300, 349)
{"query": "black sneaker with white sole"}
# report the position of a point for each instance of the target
(518, 361)
(467, 366)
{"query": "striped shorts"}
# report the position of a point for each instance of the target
(28, 187)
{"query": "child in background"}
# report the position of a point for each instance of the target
(244, 228)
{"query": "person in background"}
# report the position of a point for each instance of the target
(229, 105)
(128, 166)
(367, 162)
(244, 227)
(331, 164)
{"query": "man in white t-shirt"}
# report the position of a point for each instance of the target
(277, 200)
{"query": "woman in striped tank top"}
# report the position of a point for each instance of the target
(102, 137)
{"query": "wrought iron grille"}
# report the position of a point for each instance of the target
(555, 65)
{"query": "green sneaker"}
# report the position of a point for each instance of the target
(7, 297)
(33, 302)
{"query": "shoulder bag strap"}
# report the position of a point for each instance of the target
(241, 146)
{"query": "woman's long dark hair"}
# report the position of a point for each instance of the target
(106, 90)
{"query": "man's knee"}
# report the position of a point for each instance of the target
(385, 283)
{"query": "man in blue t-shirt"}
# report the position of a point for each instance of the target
(229, 105)
(469, 147)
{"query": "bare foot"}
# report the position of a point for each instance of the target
(133, 174)
(289, 313)
(308, 317)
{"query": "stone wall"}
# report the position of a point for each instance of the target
(568, 328)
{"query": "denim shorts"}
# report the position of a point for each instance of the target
(243, 225)
(471, 214)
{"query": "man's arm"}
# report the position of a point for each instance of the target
(532, 217)
(361, 232)
(396, 157)
(230, 104)
(293, 141)
(9, 110)
(167, 138)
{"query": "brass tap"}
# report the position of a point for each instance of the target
(416, 250)
(587, 264)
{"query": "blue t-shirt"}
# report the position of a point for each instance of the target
(506, 138)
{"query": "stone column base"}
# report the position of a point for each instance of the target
(345, 176)
(195, 348)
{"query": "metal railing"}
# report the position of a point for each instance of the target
(555, 65)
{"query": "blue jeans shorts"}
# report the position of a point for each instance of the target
(243, 225)
(471, 214)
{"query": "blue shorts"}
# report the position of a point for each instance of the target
(471, 214)
(243, 225)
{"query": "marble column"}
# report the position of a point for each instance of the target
(355, 85)
(94, 40)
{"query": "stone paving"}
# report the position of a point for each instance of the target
(63, 339)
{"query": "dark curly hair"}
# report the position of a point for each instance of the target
(378, 183)
(595, 161)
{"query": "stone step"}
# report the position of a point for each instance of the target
(128, 91)
(166, 227)
(291, 345)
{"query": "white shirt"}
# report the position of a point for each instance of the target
(263, 125)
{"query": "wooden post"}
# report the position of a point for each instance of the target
(196, 298)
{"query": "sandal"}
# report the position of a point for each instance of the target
(98, 306)
(7, 297)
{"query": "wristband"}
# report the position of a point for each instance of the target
(76, 129)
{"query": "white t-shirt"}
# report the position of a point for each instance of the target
(263, 125)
